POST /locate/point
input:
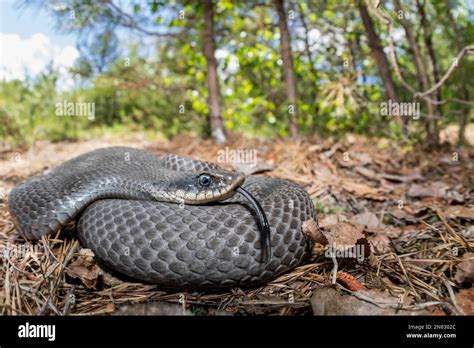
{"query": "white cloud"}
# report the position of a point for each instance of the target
(22, 58)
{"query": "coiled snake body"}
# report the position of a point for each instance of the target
(135, 213)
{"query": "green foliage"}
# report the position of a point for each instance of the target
(338, 86)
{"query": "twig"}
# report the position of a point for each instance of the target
(451, 295)
(334, 269)
(418, 94)
(133, 24)
(389, 305)
(448, 73)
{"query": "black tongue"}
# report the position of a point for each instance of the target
(264, 226)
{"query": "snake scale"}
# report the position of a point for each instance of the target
(173, 221)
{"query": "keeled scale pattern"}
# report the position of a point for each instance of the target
(196, 246)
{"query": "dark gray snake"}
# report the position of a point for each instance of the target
(136, 213)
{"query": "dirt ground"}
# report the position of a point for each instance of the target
(412, 210)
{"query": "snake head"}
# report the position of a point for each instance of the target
(198, 188)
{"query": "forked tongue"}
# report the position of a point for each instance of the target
(264, 226)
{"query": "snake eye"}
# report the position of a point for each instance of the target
(204, 180)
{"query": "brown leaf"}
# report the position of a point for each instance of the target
(468, 232)
(402, 178)
(380, 242)
(403, 214)
(152, 308)
(362, 157)
(368, 219)
(345, 239)
(85, 268)
(362, 190)
(312, 232)
(323, 173)
(367, 173)
(328, 300)
(331, 219)
(455, 211)
(465, 300)
(465, 269)
(344, 234)
(329, 153)
(435, 189)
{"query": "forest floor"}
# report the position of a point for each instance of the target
(412, 210)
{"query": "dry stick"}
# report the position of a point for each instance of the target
(65, 261)
(132, 23)
(17, 311)
(448, 73)
(453, 298)
(70, 300)
(393, 58)
(406, 276)
(450, 229)
(334, 269)
(389, 305)
(436, 230)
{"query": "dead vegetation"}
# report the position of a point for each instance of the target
(414, 211)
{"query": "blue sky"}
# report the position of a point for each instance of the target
(29, 43)
(30, 20)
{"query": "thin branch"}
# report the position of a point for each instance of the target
(418, 94)
(133, 24)
(467, 49)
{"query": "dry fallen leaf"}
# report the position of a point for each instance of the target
(381, 242)
(367, 173)
(312, 232)
(465, 300)
(152, 308)
(344, 237)
(403, 214)
(363, 190)
(405, 178)
(368, 219)
(344, 233)
(85, 268)
(324, 174)
(435, 189)
(361, 157)
(328, 300)
(468, 232)
(459, 211)
(331, 219)
(465, 269)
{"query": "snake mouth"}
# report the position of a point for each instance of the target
(264, 226)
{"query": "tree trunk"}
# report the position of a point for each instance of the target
(288, 67)
(379, 56)
(215, 118)
(433, 127)
(421, 69)
(307, 49)
(464, 91)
